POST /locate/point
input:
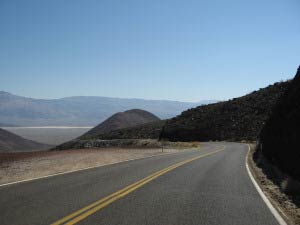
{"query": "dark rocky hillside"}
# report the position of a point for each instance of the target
(122, 120)
(10, 142)
(234, 120)
(280, 137)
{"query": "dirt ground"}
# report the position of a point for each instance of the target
(22, 166)
(285, 204)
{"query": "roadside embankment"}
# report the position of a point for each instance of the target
(281, 189)
(124, 143)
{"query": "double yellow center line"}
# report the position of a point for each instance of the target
(101, 203)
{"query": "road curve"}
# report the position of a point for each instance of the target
(209, 186)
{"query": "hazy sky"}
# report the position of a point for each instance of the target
(186, 50)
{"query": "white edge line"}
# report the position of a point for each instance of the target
(275, 213)
(86, 168)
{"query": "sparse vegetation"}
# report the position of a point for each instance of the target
(150, 130)
(234, 120)
(125, 143)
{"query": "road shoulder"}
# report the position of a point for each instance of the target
(267, 179)
(21, 167)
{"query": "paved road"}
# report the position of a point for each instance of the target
(209, 186)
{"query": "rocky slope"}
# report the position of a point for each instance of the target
(234, 120)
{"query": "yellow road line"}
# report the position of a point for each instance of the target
(98, 205)
(100, 201)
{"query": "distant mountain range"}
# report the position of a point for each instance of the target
(81, 110)
(10, 142)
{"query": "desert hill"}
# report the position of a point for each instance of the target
(10, 142)
(123, 120)
(123, 125)
(280, 137)
(234, 120)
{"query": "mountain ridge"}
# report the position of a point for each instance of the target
(5, 93)
(78, 110)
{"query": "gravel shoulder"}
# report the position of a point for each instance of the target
(281, 190)
(29, 165)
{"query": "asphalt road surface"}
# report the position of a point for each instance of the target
(209, 186)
